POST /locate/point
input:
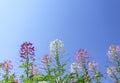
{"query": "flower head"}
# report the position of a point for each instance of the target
(92, 65)
(79, 67)
(113, 49)
(111, 70)
(7, 65)
(27, 48)
(56, 45)
(73, 67)
(46, 59)
(33, 69)
(80, 54)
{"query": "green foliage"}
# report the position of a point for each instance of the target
(24, 65)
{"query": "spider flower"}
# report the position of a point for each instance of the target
(56, 45)
(73, 67)
(46, 59)
(81, 54)
(6, 65)
(111, 70)
(27, 48)
(92, 65)
(113, 49)
(79, 67)
(33, 69)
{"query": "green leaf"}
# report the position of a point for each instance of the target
(0, 64)
(24, 65)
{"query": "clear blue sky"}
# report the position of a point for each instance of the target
(89, 24)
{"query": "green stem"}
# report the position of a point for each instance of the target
(85, 70)
(57, 61)
(114, 76)
(84, 66)
(32, 73)
(27, 61)
(117, 62)
(97, 78)
(48, 67)
(59, 70)
(7, 73)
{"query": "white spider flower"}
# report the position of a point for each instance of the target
(79, 67)
(73, 68)
(56, 46)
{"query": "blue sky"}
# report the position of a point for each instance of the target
(89, 24)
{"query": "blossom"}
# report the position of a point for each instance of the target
(79, 67)
(111, 70)
(56, 45)
(92, 65)
(113, 49)
(46, 58)
(26, 48)
(7, 65)
(73, 67)
(81, 53)
(33, 69)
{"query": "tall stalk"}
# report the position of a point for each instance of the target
(27, 62)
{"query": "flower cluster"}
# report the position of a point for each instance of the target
(6, 65)
(81, 54)
(85, 69)
(28, 58)
(92, 65)
(46, 58)
(111, 70)
(82, 71)
(33, 69)
(81, 58)
(27, 48)
(112, 50)
(56, 45)
(73, 67)
(7, 77)
(114, 54)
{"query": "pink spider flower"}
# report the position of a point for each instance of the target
(113, 49)
(82, 53)
(27, 48)
(7, 65)
(92, 65)
(46, 58)
(30, 66)
(33, 69)
(111, 70)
